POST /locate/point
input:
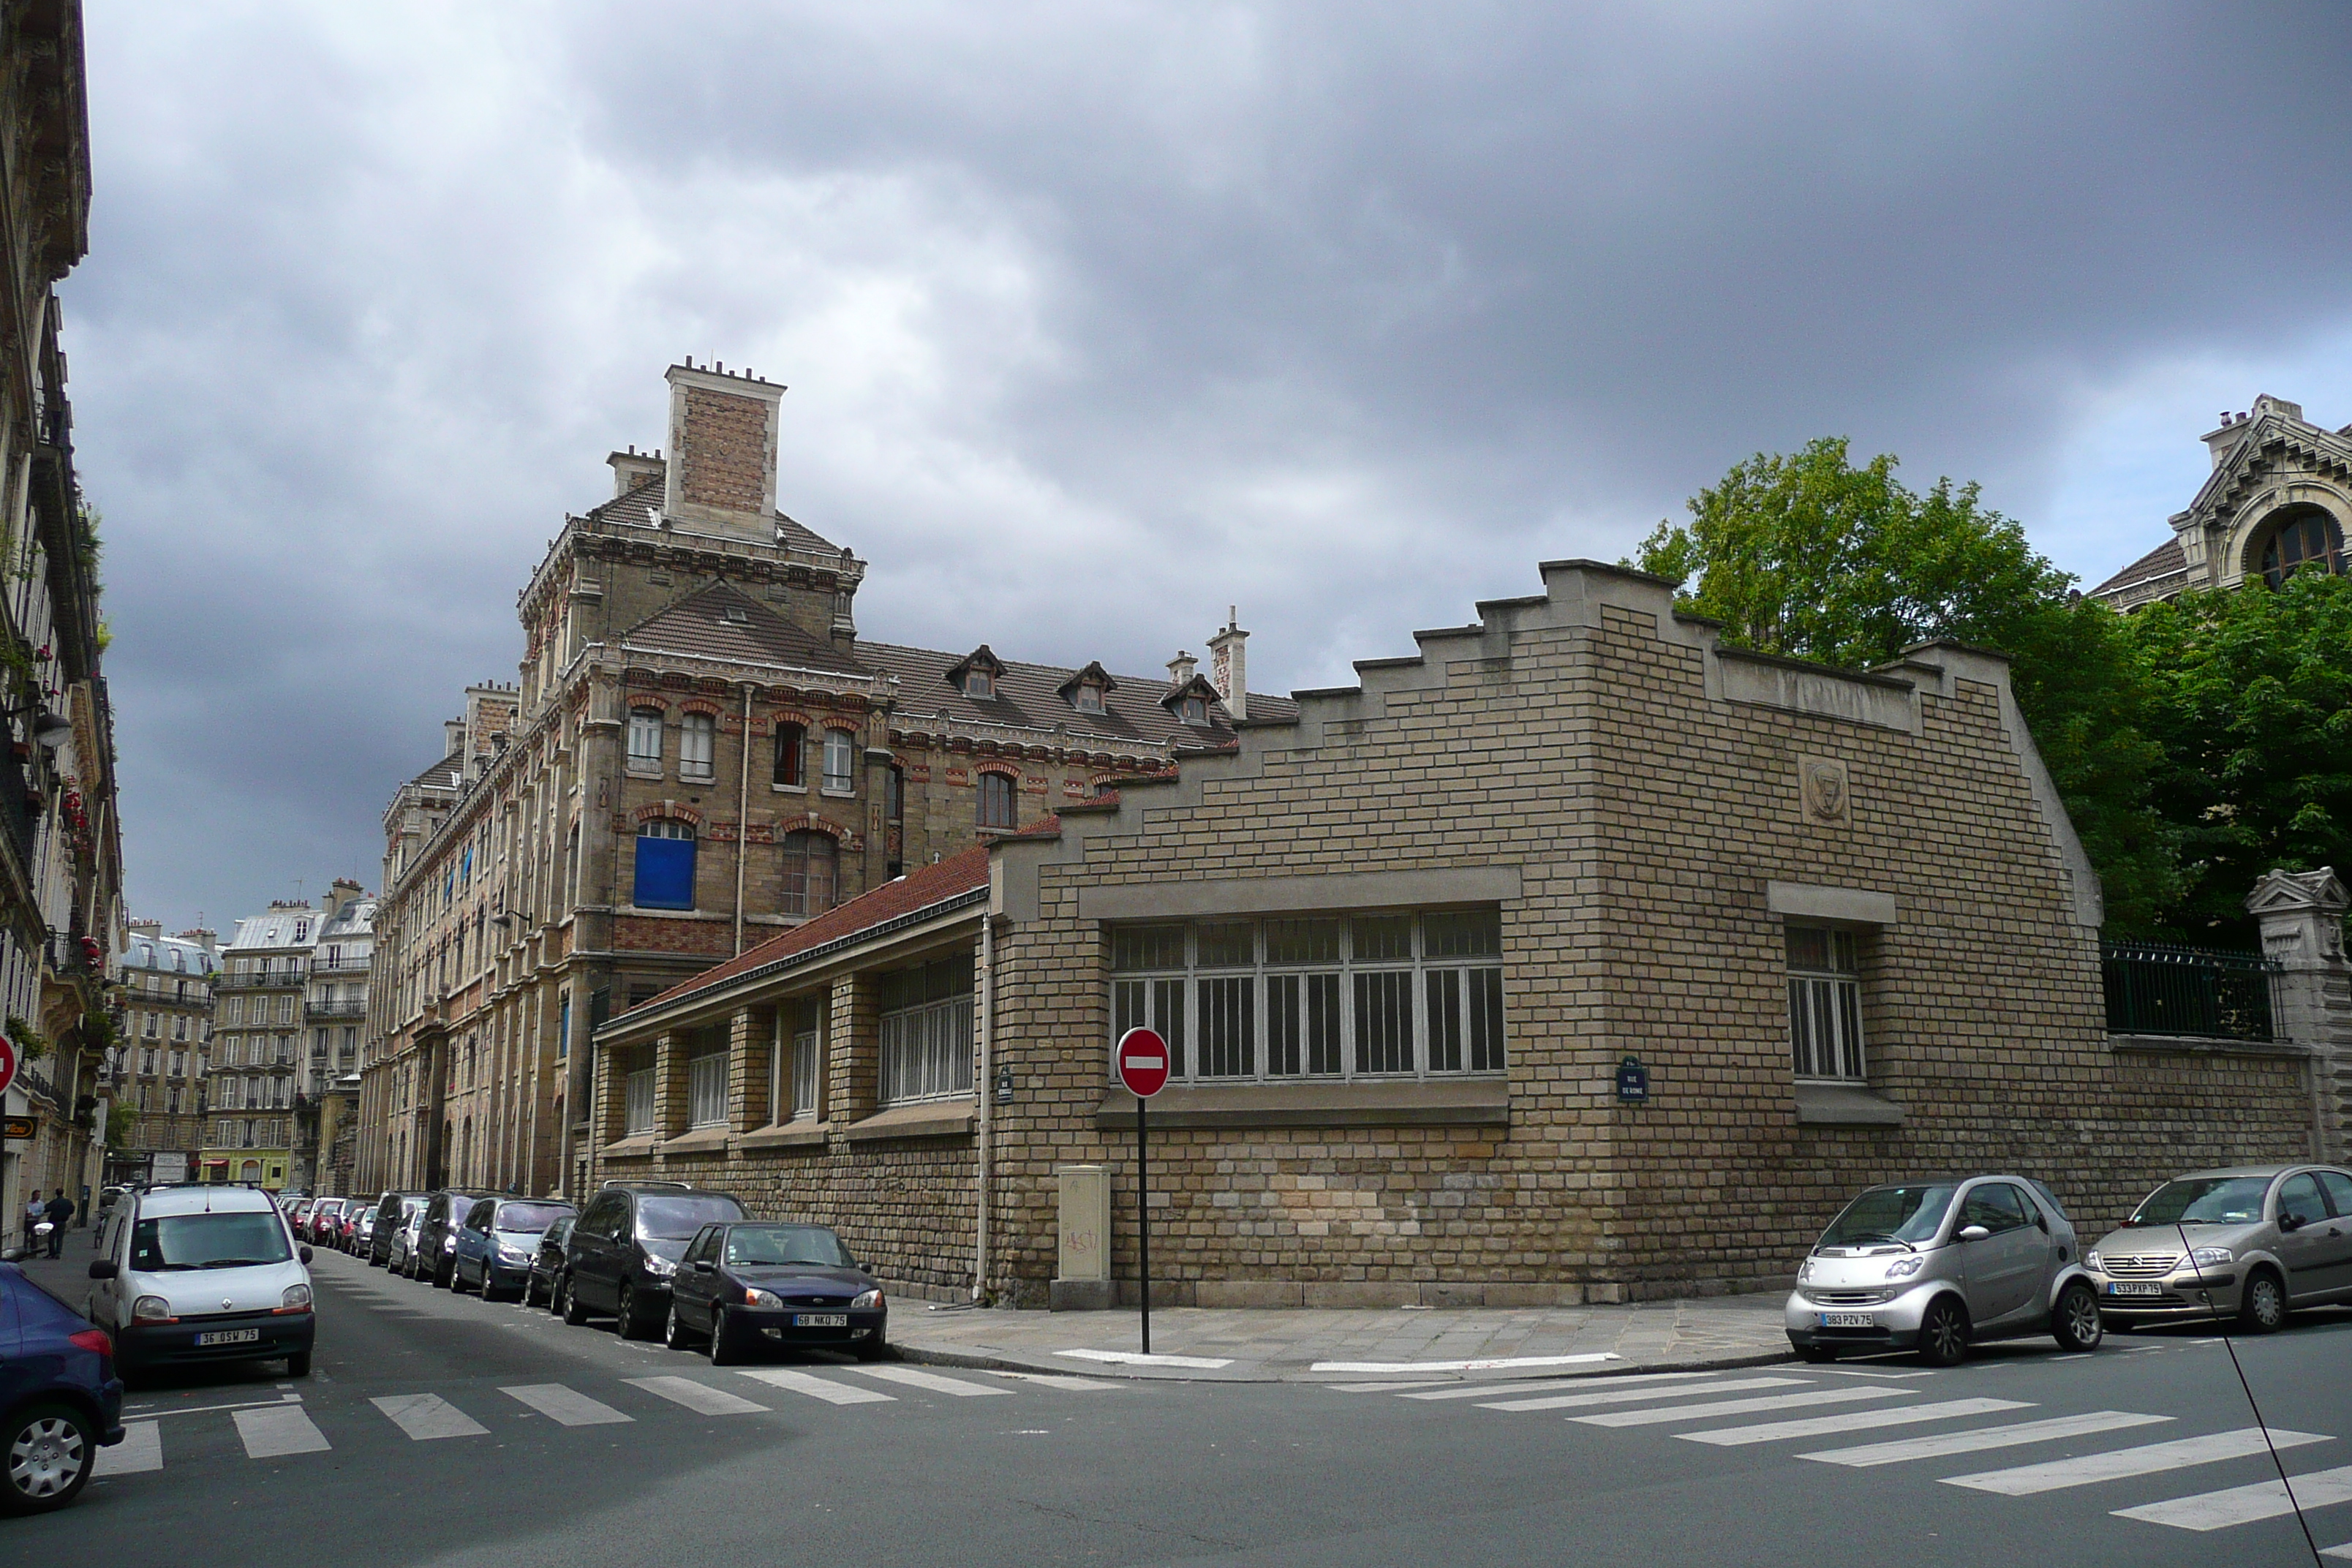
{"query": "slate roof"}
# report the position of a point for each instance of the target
(168, 954)
(919, 888)
(722, 622)
(1031, 694)
(2163, 561)
(642, 506)
(444, 773)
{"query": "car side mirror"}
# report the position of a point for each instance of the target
(2044, 1221)
(1972, 1232)
(2290, 1222)
(702, 1265)
(101, 1268)
(303, 1253)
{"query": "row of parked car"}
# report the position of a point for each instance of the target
(653, 1257)
(1934, 1265)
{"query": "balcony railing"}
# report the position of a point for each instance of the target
(281, 976)
(337, 1009)
(2195, 993)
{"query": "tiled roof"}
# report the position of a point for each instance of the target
(2163, 561)
(919, 888)
(722, 622)
(443, 774)
(1031, 695)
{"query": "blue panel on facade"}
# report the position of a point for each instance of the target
(666, 873)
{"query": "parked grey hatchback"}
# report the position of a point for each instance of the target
(2251, 1242)
(1936, 1265)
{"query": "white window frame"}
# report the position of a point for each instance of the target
(637, 1102)
(644, 724)
(926, 1051)
(1826, 1041)
(697, 747)
(1275, 1019)
(706, 1088)
(840, 763)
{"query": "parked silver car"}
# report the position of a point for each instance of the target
(1934, 1265)
(2253, 1242)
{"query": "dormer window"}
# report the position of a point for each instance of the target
(979, 684)
(1087, 700)
(2307, 540)
(735, 613)
(1193, 710)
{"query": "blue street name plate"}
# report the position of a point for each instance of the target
(1632, 1081)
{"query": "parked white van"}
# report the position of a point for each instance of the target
(195, 1274)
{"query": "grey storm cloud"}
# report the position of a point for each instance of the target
(1097, 318)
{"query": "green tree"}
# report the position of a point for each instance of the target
(2252, 707)
(120, 1119)
(1807, 555)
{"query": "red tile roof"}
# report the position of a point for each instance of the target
(917, 889)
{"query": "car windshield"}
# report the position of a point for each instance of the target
(675, 1219)
(207, 1241)
(528, 1218)
(770, 1244)
(2204, 1200)
(1909, 1214)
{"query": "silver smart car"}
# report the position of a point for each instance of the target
(2251, 1241)
(1933, 1265)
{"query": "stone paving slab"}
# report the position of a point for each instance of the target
(1261, 1344)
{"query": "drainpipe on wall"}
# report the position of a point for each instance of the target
(986, 1043)
(742, 815)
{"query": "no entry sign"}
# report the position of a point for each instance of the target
(7, 1063)
(1142, 1063)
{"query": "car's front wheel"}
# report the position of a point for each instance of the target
(724, 1352)
(50, 1451)
(1944, 1333)
(2074, 1323)
(2263, 1309)
(625, 1323)
(298, 1364)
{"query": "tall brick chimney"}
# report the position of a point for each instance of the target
(1229, 664)
(721, 472)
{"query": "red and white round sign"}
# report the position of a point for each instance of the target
(1142, 1063)
(7, 1063)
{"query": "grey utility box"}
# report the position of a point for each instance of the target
(1082, 1273)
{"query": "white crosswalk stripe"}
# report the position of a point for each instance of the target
(2244, 1505)
(1944, 1444)
(2343, 1552)
(817, 1387)
(1853, 1421)
(699, 1398)
(1066, 1383)
(1615, 1395)
(1548, 1385)
(2152, 1459)
(567, 1405)
(278, 1429)
(1739, 1407)
(1409, 1382)
(141, 1448)
(915, 1378)
(428, 1416)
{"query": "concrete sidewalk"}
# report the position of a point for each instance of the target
(1281, 1344)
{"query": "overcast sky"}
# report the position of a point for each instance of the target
(1099, 318)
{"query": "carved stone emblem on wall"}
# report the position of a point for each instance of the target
(1823, 791)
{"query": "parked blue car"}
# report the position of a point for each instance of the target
(496, 1242)
(60, 1401)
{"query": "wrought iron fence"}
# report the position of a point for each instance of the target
(2193, 991)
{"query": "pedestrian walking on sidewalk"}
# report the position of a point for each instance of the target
(32, 1216)
(60, 1210)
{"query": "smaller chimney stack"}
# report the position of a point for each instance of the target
(1229, 665)
(632, 469)
(453, 736)
(1180, 670)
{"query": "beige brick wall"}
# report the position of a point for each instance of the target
(723, 458)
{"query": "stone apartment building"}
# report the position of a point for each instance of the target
(2278, 499)
(700, 752)
(1576, 957)
(334, 1010)
(257, 1034)
(60, 858)
(157, 1070)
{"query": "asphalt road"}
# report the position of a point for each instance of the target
(440, 1428)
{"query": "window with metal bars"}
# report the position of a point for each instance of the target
(1825, 1004)
(706, 1088)
(1394, 995)
(640, 1103)
(926, 1029)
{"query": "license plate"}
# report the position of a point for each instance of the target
(2133, 1288)
(820, 1319)
(1848, 1320)
(230, 1337)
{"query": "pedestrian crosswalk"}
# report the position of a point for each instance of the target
(2098, 1451)
(289, 1424)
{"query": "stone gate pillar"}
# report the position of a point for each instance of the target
(2302, 919)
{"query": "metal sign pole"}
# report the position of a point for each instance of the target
(1143, 1220)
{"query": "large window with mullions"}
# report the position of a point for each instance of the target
(1387, 996)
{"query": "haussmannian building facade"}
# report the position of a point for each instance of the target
(158, 1067)
(700, 752)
